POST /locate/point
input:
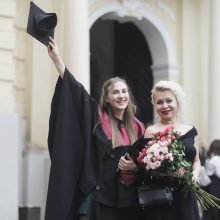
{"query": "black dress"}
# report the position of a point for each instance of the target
(180, 208)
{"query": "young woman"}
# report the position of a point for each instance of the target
(212, 167)
(167, 98)
(90, 174)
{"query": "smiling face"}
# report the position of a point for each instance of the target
(118, 98)
(166, 105)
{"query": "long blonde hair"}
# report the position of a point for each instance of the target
(128, 114)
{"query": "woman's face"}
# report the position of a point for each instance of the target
(166, 105)
(118, 97)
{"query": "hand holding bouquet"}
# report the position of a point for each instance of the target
(164, 154)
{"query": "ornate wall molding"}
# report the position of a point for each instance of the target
(142, 14)
(131, 4)
(163, 7)
(133, 8)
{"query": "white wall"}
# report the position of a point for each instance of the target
(9, 168)
(36, 165)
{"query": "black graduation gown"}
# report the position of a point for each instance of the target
(82, 159)
(69, 142)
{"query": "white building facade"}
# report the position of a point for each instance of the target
(183, 42)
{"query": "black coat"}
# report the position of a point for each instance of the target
(69, 141)
(109, 190)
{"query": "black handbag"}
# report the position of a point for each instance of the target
(154, 194)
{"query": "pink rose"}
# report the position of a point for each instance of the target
(161, 133)
(157, 163)
(169, 136)
(164, 143)
(165, 150)
(163, 139)
(169, 156)
(173, 137)
(157, 152)
(153, 166)
(154, 147)
(181, 171)
(144, 150)
(153, 159)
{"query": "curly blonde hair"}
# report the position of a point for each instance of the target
(173, 87)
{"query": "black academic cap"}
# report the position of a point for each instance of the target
(41, 25)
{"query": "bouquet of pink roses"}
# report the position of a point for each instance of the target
(164, 155)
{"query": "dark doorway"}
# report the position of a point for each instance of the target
(121, 50)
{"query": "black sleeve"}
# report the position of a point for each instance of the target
(69, 91)
(70, 141)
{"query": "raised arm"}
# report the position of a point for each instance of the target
(53, 52)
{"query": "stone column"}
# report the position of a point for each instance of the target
(214, 74)
(76, 39)
(190, 79)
